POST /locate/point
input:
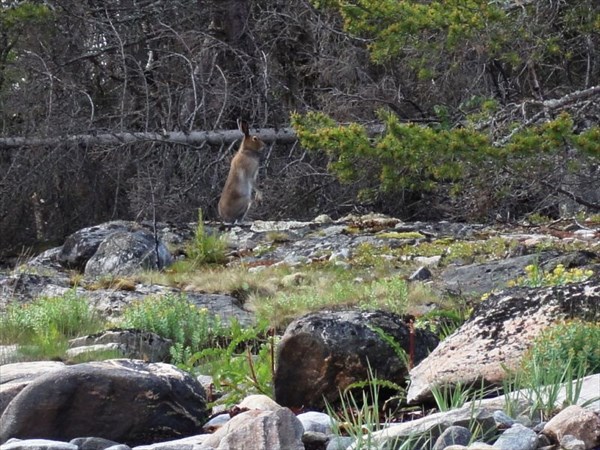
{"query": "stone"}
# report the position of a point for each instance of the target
(317, 421)
(195, 442)
(92, 443)
(421, 274)
(258, 401)
(138, 402)
(80, 246)
(576, 421)
(37, 444)
(320, 354)
(453, 435)
(133, 344)
(339, 443)
(314, 440)
(125, 253)
(259, 430)
(486, 277)
(569, 442)
(16, 376)
(503, 420)
(517, 437)
(499, 332)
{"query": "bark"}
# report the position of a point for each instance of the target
(269, 135)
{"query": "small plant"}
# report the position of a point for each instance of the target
(244, 366)
(558, 359)
(175, 317)
(206, 248)
(535, 276)
(41, 329)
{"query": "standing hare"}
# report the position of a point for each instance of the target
(237, 193)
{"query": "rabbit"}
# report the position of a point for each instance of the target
(236, 197)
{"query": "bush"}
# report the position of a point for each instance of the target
(174, 317)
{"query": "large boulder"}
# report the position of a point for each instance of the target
(322, 353)
(16, 376)
(80, 246)
(126, 252)
(126, 401)
(499, 332)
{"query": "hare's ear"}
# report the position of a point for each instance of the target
(243, 126)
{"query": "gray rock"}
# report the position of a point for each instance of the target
(80, 246)
(421, 274)
(93, 443)
(313, 440)
(138, 402)
(503, 420)
(517, 437)
(322, 353)
(453, 435)
(37, 444)
(495, 275)
(118, 447)
(126, 252)
(339, 443)
(134, 344)
(569, 442)
(316, 421)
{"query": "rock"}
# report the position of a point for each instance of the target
(133, 344)
(495, 275)
(500, 330)
(138, 403)
(37, 444)
(322, 353)
(339, 443)
(92, 443)
(14, 377)
(453, 435)
(503, 420)
(314, 440)
(477, 414)
(569, 442)
(195, 442)
(259, 430)
(126, 252)
(517, 437)
(577, 422)
(421, 274)
(258, 401)
(80, 246)
(316, 421)
(216, 422)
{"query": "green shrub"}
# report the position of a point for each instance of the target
(535, 276)
(42, 328)
(244, 366)
(67, 316)
(206, 248)
(174, 317)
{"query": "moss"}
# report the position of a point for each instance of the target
(401, 235)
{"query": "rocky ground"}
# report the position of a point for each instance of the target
(148, 404)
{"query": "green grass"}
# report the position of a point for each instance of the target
(43, 327)
(174, 317)
(561, 354)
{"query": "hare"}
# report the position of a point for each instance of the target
(237, 193)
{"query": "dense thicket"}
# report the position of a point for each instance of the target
(91, 67)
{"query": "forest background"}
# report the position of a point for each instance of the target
(465, 110)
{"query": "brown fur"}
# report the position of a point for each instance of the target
(236, 197)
